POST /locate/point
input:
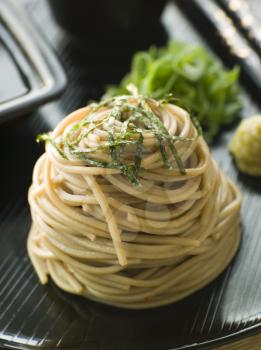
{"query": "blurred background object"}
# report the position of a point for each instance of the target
(111, 28)
(29, 71)
(107, 33)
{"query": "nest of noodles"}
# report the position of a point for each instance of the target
(128, 206)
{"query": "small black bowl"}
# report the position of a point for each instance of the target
(111, 30)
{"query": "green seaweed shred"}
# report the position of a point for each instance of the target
(131, 116)
(48, 138)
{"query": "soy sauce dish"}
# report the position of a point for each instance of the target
(31, 72)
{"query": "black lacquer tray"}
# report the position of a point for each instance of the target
(42, 317)
(30, 74)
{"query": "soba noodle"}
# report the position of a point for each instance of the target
(134, 240)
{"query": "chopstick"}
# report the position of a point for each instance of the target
(241, 13)
(223, 36)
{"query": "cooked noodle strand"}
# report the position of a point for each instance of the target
(96, 234)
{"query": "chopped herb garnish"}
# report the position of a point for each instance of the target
(195, 77)
(135, 119)
(48, 138)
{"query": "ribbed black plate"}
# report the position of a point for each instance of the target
(34, 316)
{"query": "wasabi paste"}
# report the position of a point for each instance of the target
(246, 146)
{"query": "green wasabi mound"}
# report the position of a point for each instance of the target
(246, 146)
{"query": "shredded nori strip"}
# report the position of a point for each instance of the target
(130, 134)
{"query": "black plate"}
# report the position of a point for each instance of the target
(30, 71)
(34, 316)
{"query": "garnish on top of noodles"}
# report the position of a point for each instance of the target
(135, 118)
